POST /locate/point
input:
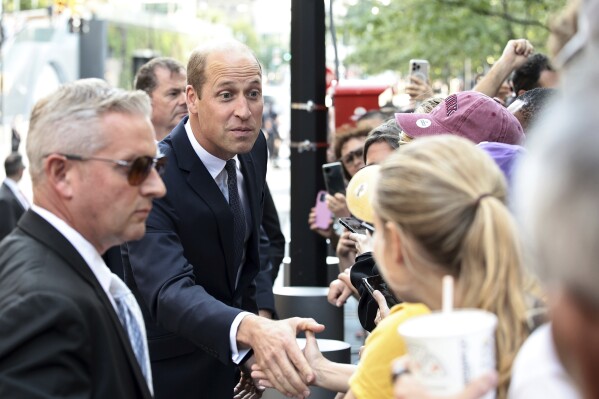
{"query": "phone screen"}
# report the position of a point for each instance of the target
(333, 178)
(352, 224)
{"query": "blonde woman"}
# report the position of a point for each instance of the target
(440, 209)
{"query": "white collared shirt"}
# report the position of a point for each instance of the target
(87, 251)
(14, 187)
(216, 168)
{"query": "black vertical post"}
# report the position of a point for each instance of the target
(308, 125)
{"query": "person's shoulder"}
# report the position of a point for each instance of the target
(399, 314)
(406, 310)
(537, 371)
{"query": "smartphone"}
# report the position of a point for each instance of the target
(368, 227)
(376, 282)
(333, 177)
(352, 224)
(323, 214)
(420, 69)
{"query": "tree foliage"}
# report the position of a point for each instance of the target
(446, 32)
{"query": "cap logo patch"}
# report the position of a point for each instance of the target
(423, 123)
(451, 104)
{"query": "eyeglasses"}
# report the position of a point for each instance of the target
(350, 156)
(138, 169)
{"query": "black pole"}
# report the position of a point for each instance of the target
(308, 139)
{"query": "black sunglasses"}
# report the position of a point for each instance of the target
(350, 156)
(138, 169)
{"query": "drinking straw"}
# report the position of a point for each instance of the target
(447, 294)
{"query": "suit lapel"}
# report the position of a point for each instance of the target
(38, 228)
(202, 183)
(249, 177)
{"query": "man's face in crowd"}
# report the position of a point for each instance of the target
(109, 210)
(168, 101)
(229, 108)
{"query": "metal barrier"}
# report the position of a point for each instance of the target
(310, 302)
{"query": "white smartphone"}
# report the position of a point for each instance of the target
(420, 68)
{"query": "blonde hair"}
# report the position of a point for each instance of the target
(447, 198)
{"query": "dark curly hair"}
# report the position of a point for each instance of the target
(527, 76)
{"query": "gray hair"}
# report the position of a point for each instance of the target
(68, 120)
(557, 192)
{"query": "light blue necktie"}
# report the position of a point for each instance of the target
(132, 321)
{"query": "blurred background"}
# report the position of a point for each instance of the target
(325, 62)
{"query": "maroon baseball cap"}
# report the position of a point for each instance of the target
(469, 114)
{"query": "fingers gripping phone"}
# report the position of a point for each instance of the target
(420, 68)
(323, 214)
(333, 178)
(376, 282)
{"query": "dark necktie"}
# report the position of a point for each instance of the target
(237, 209)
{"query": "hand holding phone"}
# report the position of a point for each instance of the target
(376, 282)
(420, 69)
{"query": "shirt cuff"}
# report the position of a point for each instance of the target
(237, 355)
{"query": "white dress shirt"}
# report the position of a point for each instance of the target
(14, 187)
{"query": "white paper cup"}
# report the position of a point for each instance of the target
(448, 350)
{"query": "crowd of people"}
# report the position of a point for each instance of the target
(144, 265)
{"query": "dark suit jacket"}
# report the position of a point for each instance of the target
(183, 275)
(59, 334)
(10, 210)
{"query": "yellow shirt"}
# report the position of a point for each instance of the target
(372, 379)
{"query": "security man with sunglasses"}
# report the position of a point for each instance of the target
(68, 326)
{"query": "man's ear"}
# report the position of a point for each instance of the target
(58, 172)
(191, 99)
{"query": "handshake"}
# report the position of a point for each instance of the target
(277, 361)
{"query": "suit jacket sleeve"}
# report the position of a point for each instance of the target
(43, 350)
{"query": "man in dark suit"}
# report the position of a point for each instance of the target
(68, 327)
(194, 271)
(12, 201)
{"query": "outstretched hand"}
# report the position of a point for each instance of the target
(277, 353)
